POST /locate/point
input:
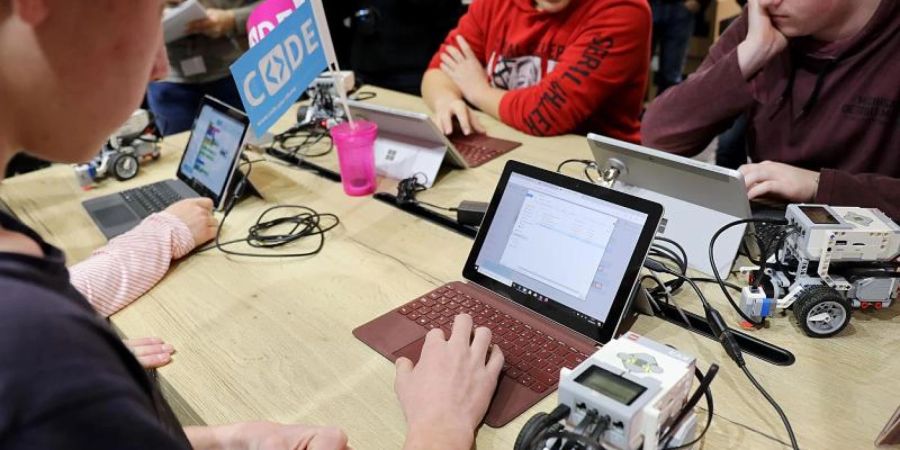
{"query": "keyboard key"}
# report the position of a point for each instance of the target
(413, 316)
(422, 321)
(538, 387)
(527, 380)
(513, 373)
(404, 310)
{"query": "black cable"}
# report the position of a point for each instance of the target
(684, 256)
(702, 389)
(304, 223)
(588, 164)
(409, 188)
(715, 270)
(299, 139)
(712, 280)
(784, 419)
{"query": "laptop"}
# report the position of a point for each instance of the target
(206, 169)
(465, 152)
(699, 198)
(551, 273)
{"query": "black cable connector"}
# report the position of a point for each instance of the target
(471, 213)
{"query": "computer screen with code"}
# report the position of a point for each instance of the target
(557, 245)
(209, 157)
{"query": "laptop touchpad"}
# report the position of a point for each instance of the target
(412, 351)
(116, 215)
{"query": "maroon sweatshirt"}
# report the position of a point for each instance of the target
(829, 107)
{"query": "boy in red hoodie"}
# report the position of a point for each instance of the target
(545, 67)
(818, 80)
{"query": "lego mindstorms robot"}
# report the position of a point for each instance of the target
(135, 141)
(826, 261)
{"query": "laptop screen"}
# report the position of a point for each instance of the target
(566, 253)
(212, 149)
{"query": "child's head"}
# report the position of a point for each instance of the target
(72, 71)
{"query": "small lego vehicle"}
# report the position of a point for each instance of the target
(136, 141)
(826, 261)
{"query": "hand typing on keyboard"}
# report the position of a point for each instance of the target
(196, 213)
(445, 396)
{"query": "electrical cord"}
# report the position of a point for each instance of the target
(299, 139)
(409, 188)
(720, 328)
(588, 164)
(702, 389)
(305, 222)
(715, 270)
(784, 419)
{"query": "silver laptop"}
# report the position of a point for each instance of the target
(699, 198)
(206, 170)
(417, 129)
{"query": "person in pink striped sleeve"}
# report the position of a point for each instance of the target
(131, 264)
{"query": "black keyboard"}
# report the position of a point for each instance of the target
(532, 358)
(151, 198)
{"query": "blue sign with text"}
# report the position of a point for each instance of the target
(275, 72)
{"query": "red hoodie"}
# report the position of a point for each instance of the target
(582, 69)
(829, 107)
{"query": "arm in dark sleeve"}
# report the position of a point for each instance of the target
(65, 383)
(611, 52)
(686, 118)
(840, 188)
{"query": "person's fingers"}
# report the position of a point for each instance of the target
(480, 343)
(404, 367)
(476, 123)
(448, 61)
(444, 120)
(761, 189)
(495, 362)
(211, 221)
(462, 331)
(454, 53)
(461, 111)
(205, 202)
(464, 46)
(328, 438)
(154, 361)
(199, 25)
(152, 349)
(753, 174)
(434, 337)
(142, 341)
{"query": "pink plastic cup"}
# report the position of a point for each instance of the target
(356, 156)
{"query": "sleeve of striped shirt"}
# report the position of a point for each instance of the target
(129, 265)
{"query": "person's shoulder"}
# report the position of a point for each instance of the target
(33, 315)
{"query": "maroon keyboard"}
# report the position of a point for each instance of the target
(478, 149)
(532, 358)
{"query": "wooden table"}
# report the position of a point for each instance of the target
(270, 338)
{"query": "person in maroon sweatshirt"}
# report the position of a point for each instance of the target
(820, 83)
(545, 67)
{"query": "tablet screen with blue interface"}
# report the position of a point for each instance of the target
(210, 154)
(560, 246)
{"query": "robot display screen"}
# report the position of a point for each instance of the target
(215, 143)
(819, 215)
(560, 246)
(611, 385)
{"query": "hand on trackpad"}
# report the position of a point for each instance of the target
(411, 351)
